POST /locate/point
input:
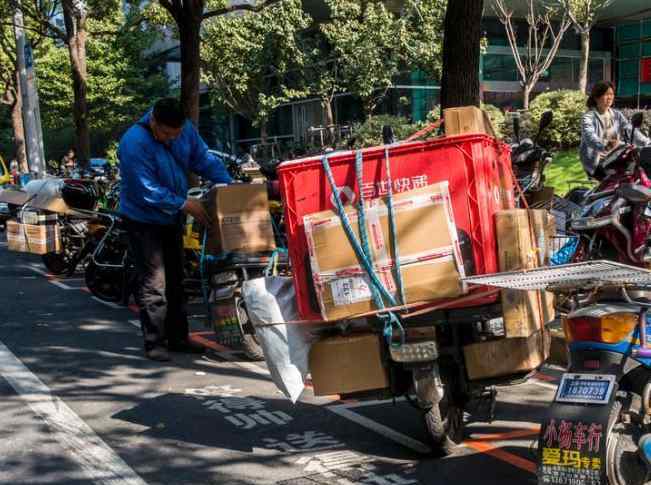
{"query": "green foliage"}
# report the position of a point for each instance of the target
(497, 118)
(119, 88)
(422, 35)
(252, 63)
(568, 106)
(112, 154)
(369, 133)
(367, 45)
(566, 172)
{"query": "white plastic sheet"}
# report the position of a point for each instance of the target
(286, 347)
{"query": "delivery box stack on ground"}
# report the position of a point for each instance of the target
(34, 232)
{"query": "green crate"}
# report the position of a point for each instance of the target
(645, 88)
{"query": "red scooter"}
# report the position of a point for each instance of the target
(615, 218)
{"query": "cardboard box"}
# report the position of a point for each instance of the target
(521, 309)
(346, 364)
(16, 240)
(430, 259)
(467, 119)
(35, 239)
(241, 219)
(544, 229)
(503, 357)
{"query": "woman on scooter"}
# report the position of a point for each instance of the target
(603, 128)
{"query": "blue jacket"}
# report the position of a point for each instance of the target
(154, 184)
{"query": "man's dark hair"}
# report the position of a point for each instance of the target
(598, 90)
(169, 112)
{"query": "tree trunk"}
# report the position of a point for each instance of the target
(461, 53)
(526, 95)
(76, 32)
(328, 119)
(20, 149)
(189, 29)
(263, 133)
(585, 57)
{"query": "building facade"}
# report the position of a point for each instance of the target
(620, 52)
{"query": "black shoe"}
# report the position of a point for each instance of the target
(159, 354)
(186, 347)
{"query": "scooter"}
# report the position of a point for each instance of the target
(615, 219)
(597, 430)
(528, 158)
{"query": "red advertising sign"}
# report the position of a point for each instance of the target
(645, 70)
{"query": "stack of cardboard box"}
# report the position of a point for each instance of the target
(524, 237)
(429, 255)
(34, 232)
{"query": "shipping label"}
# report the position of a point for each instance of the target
(346, 291)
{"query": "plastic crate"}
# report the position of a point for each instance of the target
(476, 166)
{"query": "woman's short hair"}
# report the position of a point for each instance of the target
(598, 90)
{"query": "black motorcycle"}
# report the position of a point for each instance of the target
(529, 160)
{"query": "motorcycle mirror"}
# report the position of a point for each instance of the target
(516, 126)
(637, 120)
(388, 137)
(546, 120)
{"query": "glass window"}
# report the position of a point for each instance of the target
(498, 67)
(562, 71)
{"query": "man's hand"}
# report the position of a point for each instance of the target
(196, 209)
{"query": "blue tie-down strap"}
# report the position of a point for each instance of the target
(378, 290)
(272, 265)
(566, 252)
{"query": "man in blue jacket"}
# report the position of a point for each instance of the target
(156, 155)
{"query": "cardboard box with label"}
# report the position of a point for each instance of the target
(346, 364)
(241, 221)
(467, 119)
(429, 254)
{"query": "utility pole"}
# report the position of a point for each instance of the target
(31, 111)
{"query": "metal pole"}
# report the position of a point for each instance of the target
(31, 112)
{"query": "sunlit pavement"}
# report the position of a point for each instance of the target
(80, 404)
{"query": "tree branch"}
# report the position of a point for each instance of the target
(234, 8)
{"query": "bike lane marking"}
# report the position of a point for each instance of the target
(492, 444)
(97, 460)
(484, 445)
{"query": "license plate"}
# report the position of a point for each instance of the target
(585, 388)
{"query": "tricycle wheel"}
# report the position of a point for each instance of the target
(444, 423)
(623, 465)
(250, 345)
(57, 263)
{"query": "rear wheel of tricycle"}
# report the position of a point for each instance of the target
(250, 344)
(444, 423)
(57, 263)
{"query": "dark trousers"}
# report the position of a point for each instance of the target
(157, 252)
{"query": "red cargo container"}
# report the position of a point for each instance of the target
(477, 168)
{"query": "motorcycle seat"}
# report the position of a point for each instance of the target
(637, 194)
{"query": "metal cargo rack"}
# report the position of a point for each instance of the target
(587, 274)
